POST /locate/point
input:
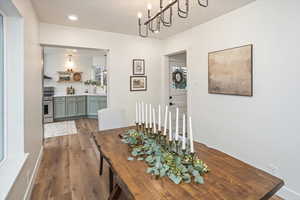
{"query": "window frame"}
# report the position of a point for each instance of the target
(14, 153)
(4, 91)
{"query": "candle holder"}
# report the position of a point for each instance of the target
(164, 140)
(177, 146)
(193, 154)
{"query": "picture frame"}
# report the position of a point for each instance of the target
(230, 71)
(138, 83)
(138, 67)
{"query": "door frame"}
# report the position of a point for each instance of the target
(165, 93)
(43, 45)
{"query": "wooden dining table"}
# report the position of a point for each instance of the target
(228, 179)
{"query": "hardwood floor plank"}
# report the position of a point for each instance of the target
(69, 167)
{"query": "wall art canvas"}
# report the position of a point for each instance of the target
(138, 83)
(230, 71)
(138, 67)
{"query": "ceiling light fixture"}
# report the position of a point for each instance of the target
(73, 17)
(164, 16)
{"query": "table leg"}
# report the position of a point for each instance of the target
(101, 165)
(111, 180)
(115, 194)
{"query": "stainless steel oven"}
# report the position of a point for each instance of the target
(48, 104)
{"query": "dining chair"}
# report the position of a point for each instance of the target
(110, 119)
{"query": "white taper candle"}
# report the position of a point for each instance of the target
(159, 118)
(143, 114)
(177, 125)
(166, 121)
(170, 126)
(140, 114)
(150, 117)
(154, 121)
(146, 115)
(136, 113)
(183, 132)
(191, 136)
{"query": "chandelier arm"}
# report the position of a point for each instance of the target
(183, 13)
(203, 5)
(164, 22)
(140, 30)
(150, 27)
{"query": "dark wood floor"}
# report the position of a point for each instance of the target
(69, 168)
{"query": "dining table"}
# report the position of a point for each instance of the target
(228, 179)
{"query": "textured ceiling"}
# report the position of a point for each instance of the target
(121, 15)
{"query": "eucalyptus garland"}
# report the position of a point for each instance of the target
(163, 159)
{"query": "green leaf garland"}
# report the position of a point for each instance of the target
(162, 161)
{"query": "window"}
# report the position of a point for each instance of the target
(1, 88)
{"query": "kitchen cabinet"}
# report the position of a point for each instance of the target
(95, 103)
(72, 107)
(81, 106)
(59, 107)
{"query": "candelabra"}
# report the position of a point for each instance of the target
(165, 16)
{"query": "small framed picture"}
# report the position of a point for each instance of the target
(138, 83)
(138, 67)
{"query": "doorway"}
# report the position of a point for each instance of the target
(75, 86)
(178, 86)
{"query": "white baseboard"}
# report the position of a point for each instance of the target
(288, 194)
(33, 176)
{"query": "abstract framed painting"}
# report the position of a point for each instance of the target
(230, 71)
(138, 83)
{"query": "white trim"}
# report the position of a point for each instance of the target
(288, 194)
(5, 141)
(34, 175)
(9, 172)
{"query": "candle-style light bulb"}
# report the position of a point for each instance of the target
(170, 126)
(149, 6)
(140, 15)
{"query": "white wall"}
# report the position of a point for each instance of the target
(263, 129)
(32, 96)
(122, 49)
(55, 62)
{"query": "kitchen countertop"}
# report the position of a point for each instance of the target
(79, 94)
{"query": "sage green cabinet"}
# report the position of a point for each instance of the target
(81, 105)
(95, 103)
(71, 106)
(59, 107)
(78, 106)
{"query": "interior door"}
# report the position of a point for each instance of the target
(177, 88)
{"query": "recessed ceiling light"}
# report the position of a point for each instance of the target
(73, 17)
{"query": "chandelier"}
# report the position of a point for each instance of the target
(165, 15)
